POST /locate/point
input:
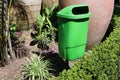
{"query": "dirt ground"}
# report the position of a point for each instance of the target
(13, 70)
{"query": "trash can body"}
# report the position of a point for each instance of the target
(72, 31)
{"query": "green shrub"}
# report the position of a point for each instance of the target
(103, 63)
(36, 69)
(116, 18)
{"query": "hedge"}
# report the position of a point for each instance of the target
(103, 63)
(116, 18)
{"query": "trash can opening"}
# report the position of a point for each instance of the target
(80, 10)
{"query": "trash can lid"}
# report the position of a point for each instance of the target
(78, 11)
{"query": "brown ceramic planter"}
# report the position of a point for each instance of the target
(101, 15)
(49, 3)
(32, 8)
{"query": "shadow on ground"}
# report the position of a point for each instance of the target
(58, 64)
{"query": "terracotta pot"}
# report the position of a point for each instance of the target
(101, 15)
(32, 8)
(49, 3)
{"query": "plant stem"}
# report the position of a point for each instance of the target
(10, 46)
(67, 64)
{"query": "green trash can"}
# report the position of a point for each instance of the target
(72, 31)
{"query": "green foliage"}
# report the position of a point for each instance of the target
(14, 34)
(12, 28)
(103, 63)
(43, 32)
(116, 17)
(37, 69)
(45, 29)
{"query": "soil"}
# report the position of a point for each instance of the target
(12, 71)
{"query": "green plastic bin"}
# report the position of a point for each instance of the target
(73, 31)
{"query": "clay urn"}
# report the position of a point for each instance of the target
(101, 10)
(32, 8)
(49, 3)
